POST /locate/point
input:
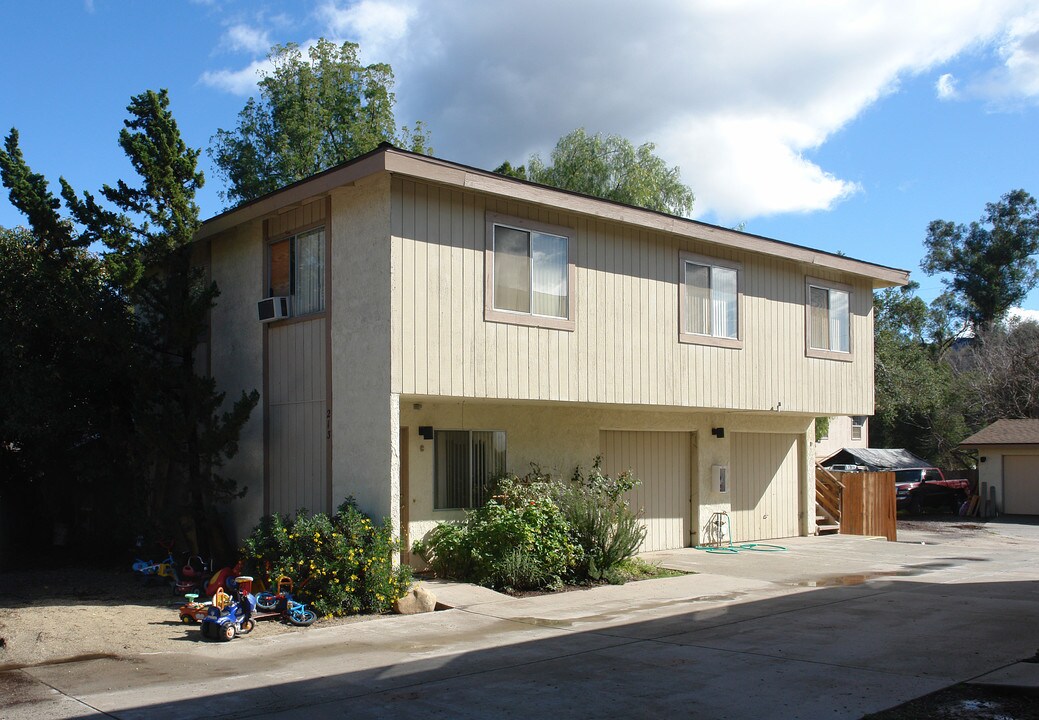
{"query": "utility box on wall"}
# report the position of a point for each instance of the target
(720, 478)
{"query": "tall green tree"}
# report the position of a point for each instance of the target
(64, 414)
(990, 262)
(918, 400)
(609, 167)
(312, 113)
(182, 435)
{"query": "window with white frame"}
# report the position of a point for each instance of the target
(709, 302)
(828, 320)
(858, 422)
(529, 273)
(296, 269)
(466, 462)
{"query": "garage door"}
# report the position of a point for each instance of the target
(662, 461)
(1021, 484)
(764, 486)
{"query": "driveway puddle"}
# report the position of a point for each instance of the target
(860, 578)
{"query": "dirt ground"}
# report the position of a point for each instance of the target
(49, 616)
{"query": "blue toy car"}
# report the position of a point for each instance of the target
(233, 619)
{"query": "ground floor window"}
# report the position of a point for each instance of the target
(466, 461)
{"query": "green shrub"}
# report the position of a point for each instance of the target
(601, 522)
(446, 550)
(519, 540)
(341, 565)
(537, 531)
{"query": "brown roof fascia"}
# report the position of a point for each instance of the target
(394, 160)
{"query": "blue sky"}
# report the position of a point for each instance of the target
(842, 126)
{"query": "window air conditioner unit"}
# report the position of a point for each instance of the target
(273, 308)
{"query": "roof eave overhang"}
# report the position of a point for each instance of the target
(388, 159)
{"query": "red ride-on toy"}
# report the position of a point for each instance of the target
(192, 611)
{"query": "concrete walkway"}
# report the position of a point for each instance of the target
(831, 627)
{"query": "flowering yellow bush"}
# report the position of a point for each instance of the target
(341, 564)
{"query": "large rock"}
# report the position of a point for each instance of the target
(418, 600)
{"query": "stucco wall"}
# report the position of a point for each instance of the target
(991, 470)
(365, 463)
(236, 358)
(839, 437)
(560, 437)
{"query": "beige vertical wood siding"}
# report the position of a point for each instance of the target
(661, 460)
(625, 346)
(297, 218)
(763, 482)
(298, 442)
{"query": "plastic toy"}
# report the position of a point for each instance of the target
(223, 577)
(282, 603)
(229, 615)
(193, 611)
(165, 569)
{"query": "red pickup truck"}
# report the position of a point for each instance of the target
(926, 488)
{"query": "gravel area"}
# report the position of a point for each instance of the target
(49, 616)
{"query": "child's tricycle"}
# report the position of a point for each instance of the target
(230, 614)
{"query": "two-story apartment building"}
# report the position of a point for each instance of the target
(446, 323)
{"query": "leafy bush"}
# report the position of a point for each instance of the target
(601, 522)
(519, 540)
(638, 569)
(342, 565)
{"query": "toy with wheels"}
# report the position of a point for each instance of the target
(297, 614)
(230, 615)
(282, 603)
(193, 611)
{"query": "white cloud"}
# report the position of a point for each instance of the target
(237, 82)
(1020, 51)
(738, 93)
(1023, 314)
(946, 87)
(246, 38)
(377, 25)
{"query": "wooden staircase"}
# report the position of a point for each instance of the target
(828, 490)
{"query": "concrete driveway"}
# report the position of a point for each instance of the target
(832, 627)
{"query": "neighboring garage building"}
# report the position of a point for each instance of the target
(431, 325)
(1008, 460)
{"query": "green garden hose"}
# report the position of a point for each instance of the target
(735, 549)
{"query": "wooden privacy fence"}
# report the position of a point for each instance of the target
(868, 504)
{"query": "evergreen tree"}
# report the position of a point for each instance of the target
(182, 437)
(64, 415)
(990, 262)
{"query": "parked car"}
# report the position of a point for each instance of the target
(922, 489)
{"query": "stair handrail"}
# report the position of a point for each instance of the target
(828, 490)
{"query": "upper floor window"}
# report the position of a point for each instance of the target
(709, 304)
(296, 269)
(466, 461)
(529, 273)
(828, 319)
